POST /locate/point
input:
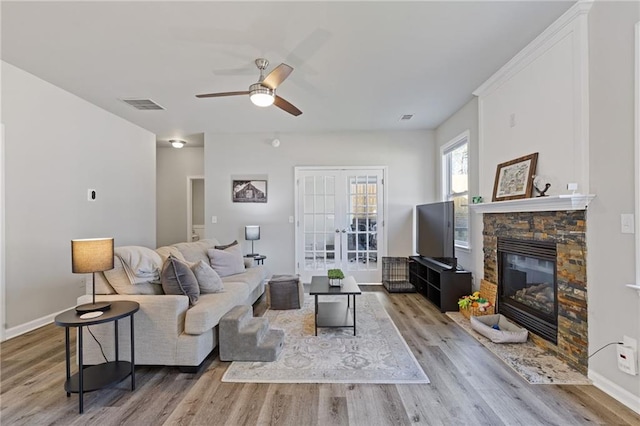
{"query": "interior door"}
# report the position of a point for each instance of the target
(340, 222)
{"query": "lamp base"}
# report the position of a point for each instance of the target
(251, 255)
(91, 307)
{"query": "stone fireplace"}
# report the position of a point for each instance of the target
(556, 290)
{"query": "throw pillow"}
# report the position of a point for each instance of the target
(177, 278)
(226, 246)
(208, 279)
(227, 262)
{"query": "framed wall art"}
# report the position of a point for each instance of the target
(249, 191)
(514, 179)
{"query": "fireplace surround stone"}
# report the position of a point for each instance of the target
(568, 230)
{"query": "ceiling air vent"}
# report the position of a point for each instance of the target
(406, 117)
(143, 104)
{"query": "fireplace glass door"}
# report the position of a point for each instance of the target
(527, 287)
(530, 282)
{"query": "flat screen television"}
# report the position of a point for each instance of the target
(434, 239)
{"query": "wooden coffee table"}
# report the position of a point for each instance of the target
(335, 313)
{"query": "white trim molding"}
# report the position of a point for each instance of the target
(615, 391)
(32, 325)
(568, 202)
(637, 152)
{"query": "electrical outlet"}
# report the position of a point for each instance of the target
(214, 219)
(628, 355)
(290, 219)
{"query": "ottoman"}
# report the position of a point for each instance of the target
(285, 292)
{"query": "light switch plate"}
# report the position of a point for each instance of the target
(627, 223)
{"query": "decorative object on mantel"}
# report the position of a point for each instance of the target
(476, 200)
(541, 185)
(514, 179)
(335, 277)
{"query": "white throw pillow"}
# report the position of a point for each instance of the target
(228, 261)
(208, 279)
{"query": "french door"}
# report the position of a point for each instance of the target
(340, 222)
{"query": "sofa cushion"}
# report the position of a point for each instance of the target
(121, 283)
(228, 261)
(208, 279)
(211, 307)
(251, 276)
(194, 252)
(177, 278)
(166, 251)
(226, 246)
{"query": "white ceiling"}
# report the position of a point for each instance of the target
(357, 65)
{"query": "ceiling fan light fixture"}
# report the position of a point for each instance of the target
(261, 96)
(177, 143)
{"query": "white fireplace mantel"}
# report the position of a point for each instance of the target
(539, 204)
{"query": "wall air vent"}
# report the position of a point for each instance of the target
(406, 117)
(142, 104)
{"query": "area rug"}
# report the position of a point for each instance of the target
(377, 354)
(533, 363)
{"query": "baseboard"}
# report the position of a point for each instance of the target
(12, 332)
(615, 391)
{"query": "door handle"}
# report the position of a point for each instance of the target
(337, 231)
(344, 231)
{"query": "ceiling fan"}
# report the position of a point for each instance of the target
(263, 93)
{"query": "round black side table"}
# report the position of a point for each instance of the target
(101, 375)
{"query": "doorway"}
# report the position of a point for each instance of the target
(340, 221)
(195, 208)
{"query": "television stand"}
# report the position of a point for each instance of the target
(438, 282)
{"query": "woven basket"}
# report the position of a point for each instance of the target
(488, 291)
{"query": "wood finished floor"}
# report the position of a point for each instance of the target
(469, 386)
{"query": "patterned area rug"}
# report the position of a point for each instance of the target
(533, 363)
(378, 354)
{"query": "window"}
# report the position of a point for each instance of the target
(455, 184)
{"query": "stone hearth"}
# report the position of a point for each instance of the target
(568, 230)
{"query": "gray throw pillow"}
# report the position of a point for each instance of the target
(226, 246)
(177, 278)
(208, 279)
(227, 262)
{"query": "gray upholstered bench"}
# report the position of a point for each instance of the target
(285, 292)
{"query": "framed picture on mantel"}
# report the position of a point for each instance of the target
(514, 179)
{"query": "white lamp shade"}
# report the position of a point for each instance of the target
(91, 255)
(252, 232)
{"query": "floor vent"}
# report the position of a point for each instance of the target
(143, 104)
(406, 117)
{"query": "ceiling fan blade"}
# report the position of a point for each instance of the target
(286, 106)
(218, 95)
(277, 76)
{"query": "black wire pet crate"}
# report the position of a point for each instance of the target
(395, 275)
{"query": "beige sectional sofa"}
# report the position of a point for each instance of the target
(168, 331)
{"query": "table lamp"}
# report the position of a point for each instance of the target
(92, 255)
(252, 233)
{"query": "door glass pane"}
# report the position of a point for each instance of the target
(308, 185)
(320, 185)
(330, 207)
(308, 223)
(319, 206)
(331, 185)
(308, 203)
(330, 223)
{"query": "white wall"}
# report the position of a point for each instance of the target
(589, 59)
(614, 310)
(466, 118)
(409, 156)
(173, 167)
(57, 146)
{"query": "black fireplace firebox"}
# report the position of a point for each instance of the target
(527, 287)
